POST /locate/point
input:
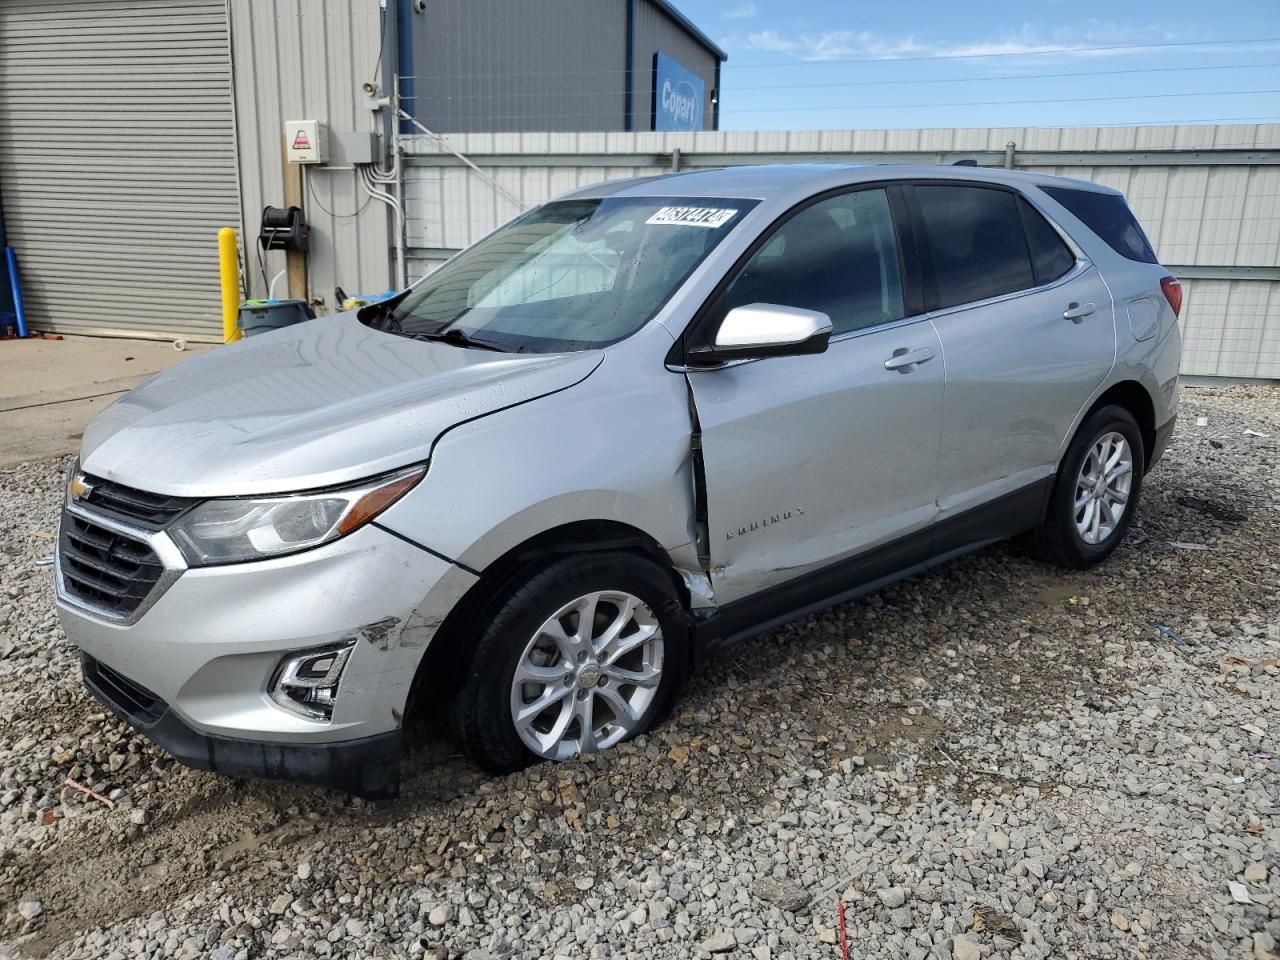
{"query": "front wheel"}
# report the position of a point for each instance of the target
(1096, 491)
(582, 655)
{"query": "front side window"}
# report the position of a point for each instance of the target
(975, 235)
(570, 275)
(838, 256)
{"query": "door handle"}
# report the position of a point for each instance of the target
(904, 361)
(1076, 312)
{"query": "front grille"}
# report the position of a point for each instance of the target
(105, 569)
(138, 704)
(150, 510)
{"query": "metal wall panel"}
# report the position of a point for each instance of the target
(503, 65)
(1199, 214)
(305, 60)
(117, 162)
(654, 31)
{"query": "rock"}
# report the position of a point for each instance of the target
(962, 948)
(30, 909)
(1256, 873)
(304, 871)
(440, 915)
(785, 894)
(721, 942)
(356, 927)
(892, 897)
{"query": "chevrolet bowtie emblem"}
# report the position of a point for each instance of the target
(80, 488)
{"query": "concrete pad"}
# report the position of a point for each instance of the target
(51, 389)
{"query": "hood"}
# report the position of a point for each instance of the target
(312, 405)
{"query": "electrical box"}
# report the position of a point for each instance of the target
(349, 146)
(307, 141)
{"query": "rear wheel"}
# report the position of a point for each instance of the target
(581, 656)
(1096, 491)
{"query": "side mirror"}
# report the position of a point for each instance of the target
(766, 330)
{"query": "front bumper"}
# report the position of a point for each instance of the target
(207, 645)
(368, 767)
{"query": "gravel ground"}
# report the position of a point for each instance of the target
(997, 759)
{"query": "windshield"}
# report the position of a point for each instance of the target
(571, 275)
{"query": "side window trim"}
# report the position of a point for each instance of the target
(700, 328)
(926, 255)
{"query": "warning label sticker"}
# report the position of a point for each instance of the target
(693, 216)
(300, 142)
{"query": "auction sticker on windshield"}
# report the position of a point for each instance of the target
(693, 216)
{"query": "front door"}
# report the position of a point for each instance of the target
(810, 460)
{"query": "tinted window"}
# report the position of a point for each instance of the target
(978, 246)
(1050, 257)
(1107, 215)
(838, 256)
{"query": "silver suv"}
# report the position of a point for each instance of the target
(637, 423)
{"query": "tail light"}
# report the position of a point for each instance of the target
(1173, 293)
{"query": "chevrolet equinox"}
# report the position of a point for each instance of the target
(637, 423)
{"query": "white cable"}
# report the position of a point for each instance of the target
(271, 287)
(445, 143)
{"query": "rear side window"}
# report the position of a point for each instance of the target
(1107, 215)
(1050, 257)
(976, 237)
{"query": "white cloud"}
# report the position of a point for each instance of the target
(850, 44)
(743, 11)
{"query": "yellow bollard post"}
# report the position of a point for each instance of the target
(229, 268)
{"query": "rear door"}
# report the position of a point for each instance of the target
(813, 459)
(1026, 326)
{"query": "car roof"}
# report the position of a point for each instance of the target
(769, 181)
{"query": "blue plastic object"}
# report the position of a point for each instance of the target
(17, 318)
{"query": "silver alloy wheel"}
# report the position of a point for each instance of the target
(1102, 488)
(588, 675)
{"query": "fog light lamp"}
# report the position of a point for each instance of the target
(306, 683)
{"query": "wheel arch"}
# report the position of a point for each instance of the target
(1134, 397)
(445, 654)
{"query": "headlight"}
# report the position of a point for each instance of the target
(253, 528)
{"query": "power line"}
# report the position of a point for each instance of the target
(1046, 51)
(941, 57)
(1010, 76)
(471, 98)
(994, 103)
(484, 116)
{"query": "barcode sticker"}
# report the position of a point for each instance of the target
(693, 216)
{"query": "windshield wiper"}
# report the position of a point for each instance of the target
(457, 338)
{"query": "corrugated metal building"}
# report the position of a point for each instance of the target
(501, 65)
(117, 161)
(131, 131)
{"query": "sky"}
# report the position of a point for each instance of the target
(839, 64)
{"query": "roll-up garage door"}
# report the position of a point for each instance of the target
(117, 162)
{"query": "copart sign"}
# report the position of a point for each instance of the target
(678, 95)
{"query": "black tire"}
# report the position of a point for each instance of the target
(1057, 540)
(479, 712)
